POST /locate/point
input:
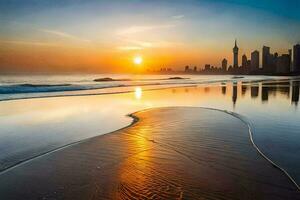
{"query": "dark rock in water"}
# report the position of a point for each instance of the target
(237, 77)
(107, 79)
(177, 78)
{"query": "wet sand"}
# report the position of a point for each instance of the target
(170, 153)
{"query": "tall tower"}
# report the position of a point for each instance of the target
(235, 56)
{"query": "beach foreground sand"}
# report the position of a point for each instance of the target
(170, 153)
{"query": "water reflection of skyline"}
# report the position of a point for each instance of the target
(267, 89)
(295, 92)
(258, 90)
(234, 93)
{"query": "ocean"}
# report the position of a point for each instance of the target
(40, 114)
(27, 86)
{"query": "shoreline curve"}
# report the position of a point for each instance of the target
(135, 119)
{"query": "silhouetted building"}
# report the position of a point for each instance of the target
(187, 68)
(283, 63)
(235, 56)
(271, 66)
(254, 61)
(296, 58)
(224, 64)
(291, 66)
(265, 57)
(248, 65)
(244, 61)
(207, 67)
(245, 65)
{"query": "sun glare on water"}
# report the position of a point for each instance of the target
(138, 93)
(138, 60)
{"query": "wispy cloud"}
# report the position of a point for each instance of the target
(135, 45)
(139, 29)
(178, 16)
(140, 45)
(129, 48)
(24, 42)
(64, 35)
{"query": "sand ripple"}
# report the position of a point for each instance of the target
(171, 153)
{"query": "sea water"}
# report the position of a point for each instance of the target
(32, 126)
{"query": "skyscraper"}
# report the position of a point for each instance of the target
(187, 68)
(224, 64)
(254, 60)
(207, 67)
(296, 58)
(291, 66)
(265, 57)
(235, 56)
(283, 63)
(244, 61)
(272, 63)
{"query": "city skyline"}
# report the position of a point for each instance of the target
(264, 63)
(82, 36)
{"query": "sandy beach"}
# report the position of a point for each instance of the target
(169, 153)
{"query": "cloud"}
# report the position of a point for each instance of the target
(23, 42)
(142, 43)
(139, 45)
(139, 29)
(178, 16)
(129, 48)
(135, 45)
(64, 35)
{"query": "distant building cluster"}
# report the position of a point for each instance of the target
(272, 64)
(164, 69)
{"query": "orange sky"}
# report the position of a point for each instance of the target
(39, 58)
(104, 36)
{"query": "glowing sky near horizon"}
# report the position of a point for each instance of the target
(103, 36)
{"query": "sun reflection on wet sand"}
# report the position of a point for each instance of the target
(134, 171)
(170, 153)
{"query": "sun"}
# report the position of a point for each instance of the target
(138, 60)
